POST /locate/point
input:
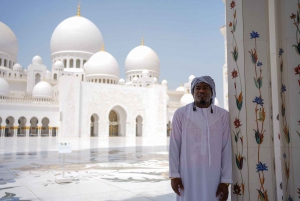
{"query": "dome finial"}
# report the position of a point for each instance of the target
(103, 48)
(78, 9)
(142, 41)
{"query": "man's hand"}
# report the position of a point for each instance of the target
(222, 192)
(176, 184)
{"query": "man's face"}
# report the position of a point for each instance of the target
(202, 93)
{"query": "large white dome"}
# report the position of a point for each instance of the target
(142, 57)
(102, 63)
(8, 40)
(76, 34)
(42, 90)
(4, 87)
(186, 99)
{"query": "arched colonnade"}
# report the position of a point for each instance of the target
(23, 127)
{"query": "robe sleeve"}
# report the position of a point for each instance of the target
(175, 145)
(226, 174)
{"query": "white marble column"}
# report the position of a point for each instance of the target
(15, 131)
(39, 127)
(225, 72)
(250, 104)
(27, 129)
(274, 83)
(50, 131)
(287, 20)
(2, 128)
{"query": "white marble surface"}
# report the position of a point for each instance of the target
(103, 169)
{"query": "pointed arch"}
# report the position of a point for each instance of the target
(21, 127)
(37, 78)
(45, 127)
(94, 125)
(9, 128)
(33, 131)
(139, 126)
(118, 117)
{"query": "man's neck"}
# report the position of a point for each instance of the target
(198, 104)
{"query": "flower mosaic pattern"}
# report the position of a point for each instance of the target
(286, 131)
(260, 116)
(296, 22)
(238, 189)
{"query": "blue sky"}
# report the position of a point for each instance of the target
(185, 34)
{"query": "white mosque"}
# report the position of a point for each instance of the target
(83, 94)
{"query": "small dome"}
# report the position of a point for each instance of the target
(8, 40)
(37, 60)
(76, 34)
(191, 78)
(102, 63)
(145, 73)
(42, 90)
(216, 102)
(47, 71)
(121, 81)
(186, 99)
(17, 67)
(135, 79)
(155, 80)
(142, 57)
(4, 87)
(181, 88)
(164, 82)
(58, 65)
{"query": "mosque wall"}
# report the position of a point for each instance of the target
(80, 100)
(69, 106)
(17, 85)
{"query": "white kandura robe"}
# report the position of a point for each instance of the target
(189, 152)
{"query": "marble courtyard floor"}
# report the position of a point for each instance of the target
(129, 169)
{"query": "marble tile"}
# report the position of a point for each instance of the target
(102, 169)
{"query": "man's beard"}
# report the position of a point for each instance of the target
(202, 102)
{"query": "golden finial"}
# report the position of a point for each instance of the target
(103, 48)
(142, 41)
(78, 9)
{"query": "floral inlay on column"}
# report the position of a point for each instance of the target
(260, 116)
(296, 19)
(297, 72)
(286, 158)
(238, 137)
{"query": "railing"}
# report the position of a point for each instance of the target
(28, 101)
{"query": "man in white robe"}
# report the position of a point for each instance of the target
(200, 155)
